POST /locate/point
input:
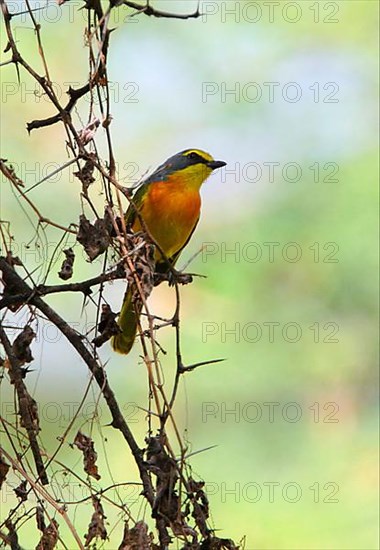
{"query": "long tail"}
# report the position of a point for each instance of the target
(130, 312)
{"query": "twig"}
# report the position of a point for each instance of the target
(11, 176)
(46, 496)
(118, 421)
(24, 404)
(44, 290)
(153, 12)
(66, 165)
(19, 292)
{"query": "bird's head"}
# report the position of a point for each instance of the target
(193, 166)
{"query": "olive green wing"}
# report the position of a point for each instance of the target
(138, 199)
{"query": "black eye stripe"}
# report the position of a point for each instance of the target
(195, 158)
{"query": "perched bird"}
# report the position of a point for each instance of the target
(169, 203)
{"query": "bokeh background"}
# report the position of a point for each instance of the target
(296, 410)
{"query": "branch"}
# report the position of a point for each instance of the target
(25, 404)
(118, 422)
(75, 95)
(43, 290)
(12, 177)
(46, 496)
(153, 12)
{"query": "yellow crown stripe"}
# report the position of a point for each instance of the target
(202, 154)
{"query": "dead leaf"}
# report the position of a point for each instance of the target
(21, 345)
(40, 518)
(107, 327)
(4, 467)
(86, 445)
(85, 174)
(137, 538)
(21, 491)
(96, 238)
(49, 537)
(166, 502)
(67, 265)
(96, 527)
(88, 133)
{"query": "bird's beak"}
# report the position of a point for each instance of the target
(214, 164)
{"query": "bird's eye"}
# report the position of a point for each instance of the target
(193, 156)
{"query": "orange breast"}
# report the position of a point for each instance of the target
(170, 210)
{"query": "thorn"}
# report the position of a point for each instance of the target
(196, 452)
(189, 368)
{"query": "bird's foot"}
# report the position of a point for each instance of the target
(172, 277)
(179, 277)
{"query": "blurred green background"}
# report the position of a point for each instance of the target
(296, 410)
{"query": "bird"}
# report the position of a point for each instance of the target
(169, 204)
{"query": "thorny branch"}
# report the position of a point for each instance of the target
(27, 407)
(83, 287)
(12, 279)
(153, 12)
(178, 504)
